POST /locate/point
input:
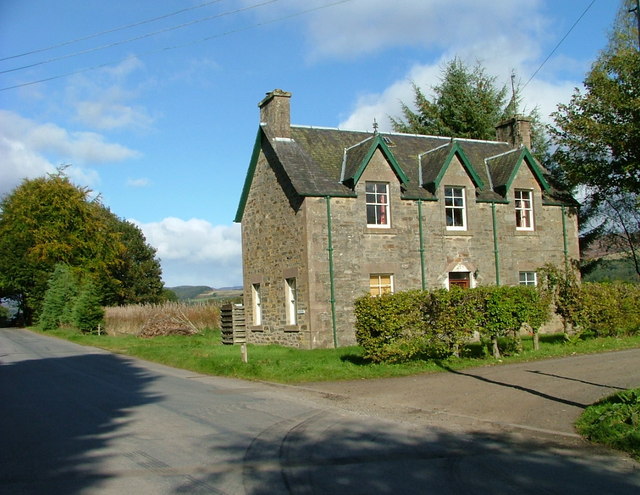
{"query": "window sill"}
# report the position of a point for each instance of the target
(381, 231)
(458, 233)
(292, 328)
(257, 328)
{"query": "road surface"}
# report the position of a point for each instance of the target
(79, 420)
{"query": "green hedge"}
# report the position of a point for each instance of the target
(609, 309)
(437, 324)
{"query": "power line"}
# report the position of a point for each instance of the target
(109, 31)
(168, 48)
(137, 38)
(560, 42)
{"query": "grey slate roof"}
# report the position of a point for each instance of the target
(321, 162)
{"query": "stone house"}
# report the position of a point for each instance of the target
(329, 215)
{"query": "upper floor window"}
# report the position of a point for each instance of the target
(528, 278)
(524, 209)
(380, 284)
(377, 204)
(455, 208)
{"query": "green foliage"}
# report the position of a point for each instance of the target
(560, 287)
(58, 300)
(4, 316)
(437, 324)
(88, 314)
(48, 221)
(614, 422)
(610, 310)
(466, 104)
(598, 141)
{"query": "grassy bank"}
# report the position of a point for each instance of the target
(203, 353)
(614, 422)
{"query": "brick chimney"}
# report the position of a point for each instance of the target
(516, 131)
(275, 113)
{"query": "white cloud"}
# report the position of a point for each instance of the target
(103, 101)
(503, 36)
(195, 252)
(30, 149)
(141, 182)
(363, 27)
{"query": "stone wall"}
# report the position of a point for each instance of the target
(274, 249)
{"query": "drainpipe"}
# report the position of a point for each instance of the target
(496, 251)
(331, 274)
(564, 240)
(420, 233)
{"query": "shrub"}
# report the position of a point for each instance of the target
(609, 310)
(437, 324)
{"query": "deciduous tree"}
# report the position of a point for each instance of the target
(598, 139)
(48, 221)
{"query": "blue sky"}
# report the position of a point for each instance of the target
(162, 125)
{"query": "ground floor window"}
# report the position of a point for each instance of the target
(291, 301)
(460, 279)
(528, 278)
(380, 283)
(257, 304)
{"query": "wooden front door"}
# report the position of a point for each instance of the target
(460, 279)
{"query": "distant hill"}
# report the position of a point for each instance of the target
(203, 292)
(189, 291)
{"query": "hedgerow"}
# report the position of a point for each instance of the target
(436, 324)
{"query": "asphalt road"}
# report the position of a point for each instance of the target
(77, 420)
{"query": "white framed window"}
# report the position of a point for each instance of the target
(291, 295)
(377, 198)
(257, 304)
(455, 208)
(528, 278)
(380, 283)
(524, 209)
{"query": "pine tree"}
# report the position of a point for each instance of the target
(88, 315)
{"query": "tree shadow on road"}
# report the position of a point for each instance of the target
(320, 453)
(513, 386)
(56, 414)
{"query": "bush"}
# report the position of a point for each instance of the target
(437, 324)
(609, 310)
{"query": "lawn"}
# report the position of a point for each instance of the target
(203, 353)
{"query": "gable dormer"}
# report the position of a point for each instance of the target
(504, 168)
(433, 164)
(356, 158)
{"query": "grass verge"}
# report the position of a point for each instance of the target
(203, 353)
(614, 422)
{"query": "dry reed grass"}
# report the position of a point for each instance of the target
(171, 318)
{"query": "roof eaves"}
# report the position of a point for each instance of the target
(249, 177)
